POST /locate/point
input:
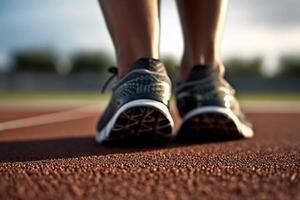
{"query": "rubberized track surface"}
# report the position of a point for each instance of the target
(62, 161)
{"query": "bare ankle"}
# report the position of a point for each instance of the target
(188, 64)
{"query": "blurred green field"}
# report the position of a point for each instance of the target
(83, 98)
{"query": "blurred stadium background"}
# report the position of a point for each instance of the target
(61, 49)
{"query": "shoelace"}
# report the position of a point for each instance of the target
(114, 71)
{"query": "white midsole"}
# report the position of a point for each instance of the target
(246, 131)
(104, 133)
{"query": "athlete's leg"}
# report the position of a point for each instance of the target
(202, 23)
(204, 99)
(138, 111)
(134, 28)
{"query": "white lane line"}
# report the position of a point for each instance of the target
(62, 116)
(90, 110)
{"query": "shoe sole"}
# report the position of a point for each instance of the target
(212, 123)
(142, 121)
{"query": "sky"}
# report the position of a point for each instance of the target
(252, 28)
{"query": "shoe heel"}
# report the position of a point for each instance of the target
(142, 121)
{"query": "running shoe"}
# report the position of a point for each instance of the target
(209, 109)
(138, 111)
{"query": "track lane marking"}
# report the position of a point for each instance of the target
(90, 110)
(61, 116)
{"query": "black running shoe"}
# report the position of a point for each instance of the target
(138, 111)
(209, 108)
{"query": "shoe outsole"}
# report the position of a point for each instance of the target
(140, 125)
(210, 125)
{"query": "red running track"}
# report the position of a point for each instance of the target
(61, 161)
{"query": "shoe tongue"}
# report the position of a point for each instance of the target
(147, 63)
(199, 72)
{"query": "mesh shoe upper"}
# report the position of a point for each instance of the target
(204, 87)
(147, 79)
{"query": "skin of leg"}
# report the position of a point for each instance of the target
(134, 29)
(202, 23)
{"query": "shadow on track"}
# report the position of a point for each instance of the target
(18, 151)
(33, 150)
